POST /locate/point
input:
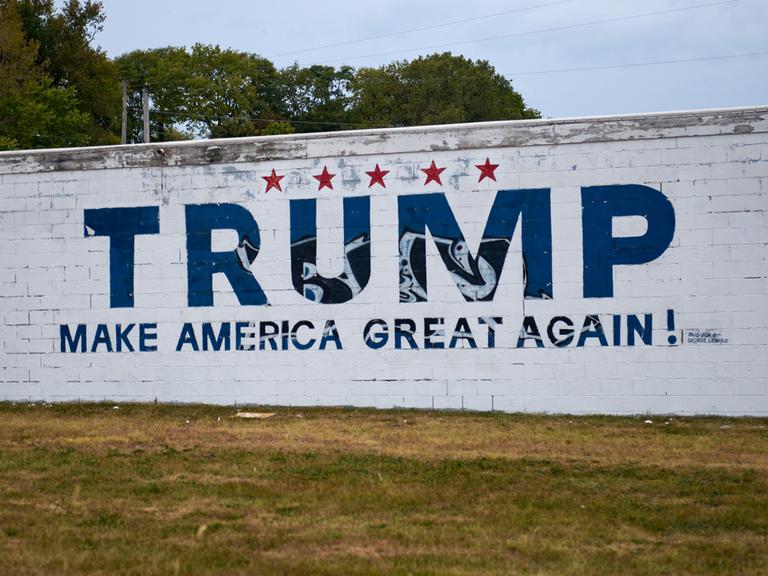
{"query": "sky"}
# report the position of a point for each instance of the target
(530, 42)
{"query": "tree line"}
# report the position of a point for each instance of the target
(58, 88)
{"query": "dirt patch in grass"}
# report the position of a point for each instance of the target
(146, 489)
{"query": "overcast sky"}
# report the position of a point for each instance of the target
(520, 47)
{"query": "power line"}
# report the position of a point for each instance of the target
(421, 29)
(310, 122)
(513, 35)
(539, 31)
(184, 114)
(31, 132)
(637, 64)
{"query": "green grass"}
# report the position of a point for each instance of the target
(85, 489)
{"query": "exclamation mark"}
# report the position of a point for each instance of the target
(672, 339)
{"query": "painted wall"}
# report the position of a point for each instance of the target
(613, 265)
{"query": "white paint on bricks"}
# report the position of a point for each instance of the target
(711, 165)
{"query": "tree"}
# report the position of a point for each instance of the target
(278, 127)
(317, 98)
(436, 89)
(231, 92)
(65, 50)
(211, 92)
(165, 74)
(33, 112)
(57, 89)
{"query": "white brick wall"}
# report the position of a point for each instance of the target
(712, 166)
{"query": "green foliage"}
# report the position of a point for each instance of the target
(212, 92)
(65, 38)
(230, 91)
(8, 143)
(34, 113)
(318, 98)
(164, 72)
(436, 89)
(278, 128)
(18, 56)
(44, 116)
(220, 93)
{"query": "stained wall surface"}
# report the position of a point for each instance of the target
(601, 265)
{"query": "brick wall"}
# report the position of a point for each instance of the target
(684, 331)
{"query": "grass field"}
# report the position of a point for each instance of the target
(143, 489)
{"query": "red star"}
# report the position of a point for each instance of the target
(433, 173)
(273, 181)
(377, 176)
(487, 170)
(324, 179)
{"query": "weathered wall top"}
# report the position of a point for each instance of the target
(394, 140)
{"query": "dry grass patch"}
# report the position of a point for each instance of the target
(86, 489)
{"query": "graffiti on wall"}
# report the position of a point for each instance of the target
(477, 276)
(421, 218)
(357, 252)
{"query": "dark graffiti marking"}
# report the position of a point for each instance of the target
(357, 252)
(477, 276)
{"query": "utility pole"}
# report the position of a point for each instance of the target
(145, 106)
(124, 129)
